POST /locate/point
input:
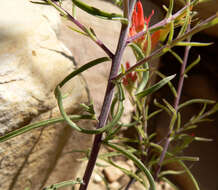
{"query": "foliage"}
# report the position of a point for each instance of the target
(134, 82)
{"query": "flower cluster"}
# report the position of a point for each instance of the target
(139, 23)
(138, 20)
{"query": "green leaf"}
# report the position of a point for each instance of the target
(64, 184)
(178, 121)
(155, 87)
(195, 101)
(213, 110)
(88, 131)
(188, 128)
(127, 172)
(44, 123)
(99, 13)
(170, 172)
(137, 51)
(172, 88)
(183, 158)
(83, 68)
(171, 34)
(39, 2)
(156, 103)
(171, 108)
(170, 9)
(203, 139)
(89, 108)
(153, 114)
(78, 31)
(198, 44)
(140, 55)
(193, 64)
(137, 162)
(176, 56)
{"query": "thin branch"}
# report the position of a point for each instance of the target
(83, 28)
(176, 103)
(107, 99)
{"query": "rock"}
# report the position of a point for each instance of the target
(97, 178)
(115, 185)
(32, 62)
(112, 173)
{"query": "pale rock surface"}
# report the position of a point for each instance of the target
(112, 173)
(30, 68)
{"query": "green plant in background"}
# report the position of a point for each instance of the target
(134, 82)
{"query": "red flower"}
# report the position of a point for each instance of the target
(130, 78)
(138, 20)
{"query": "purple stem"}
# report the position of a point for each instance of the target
(176, 104)
(107, 99)
(84, 29)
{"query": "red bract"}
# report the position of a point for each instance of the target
(138, 24)
(138, 20)
(130, 78)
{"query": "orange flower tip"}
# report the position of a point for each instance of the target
(147, 20)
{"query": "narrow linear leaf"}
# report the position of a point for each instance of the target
(78, 31)
(193, 64)
(178, 121)
(153, 114)
(39, 2)
(196, 101)
(203, 139)
(202, 110)
(97, 12)
(181, 158)
(171, 108)
(170, 172)
(127, 172)
(176, 56)
(155, 87)
(170, 9)
(171, 34)
(137, 51)
(44, 123)
(198, 44)
(88, 131)
(156, 103)
(213, 110)
(83, 68)
(188, 128)
(172, 88)
(63, 184)
(138, 163)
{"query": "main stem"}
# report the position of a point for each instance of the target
(176, 104)
(108, 98)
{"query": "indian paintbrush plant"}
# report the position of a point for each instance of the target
(133, 81)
